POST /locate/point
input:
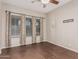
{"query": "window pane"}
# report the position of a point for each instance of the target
(28, 26)
(37, 26)
(15, 25)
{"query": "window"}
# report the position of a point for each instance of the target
(28, 26)
(15, 25)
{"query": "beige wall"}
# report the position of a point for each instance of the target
(63, 34)
(0, 25)
(18, 10)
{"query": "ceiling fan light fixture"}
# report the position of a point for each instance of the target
(45, 1)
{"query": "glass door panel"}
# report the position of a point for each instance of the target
(28, 30)
(37, 29)
(15, 30)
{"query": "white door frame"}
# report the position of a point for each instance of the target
(23, 31)
(0, 51)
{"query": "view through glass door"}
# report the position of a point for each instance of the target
(37, 30)
(28, 23)
(16, 28)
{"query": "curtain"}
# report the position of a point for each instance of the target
(7, 36)
(23, 31)
(41, 30)
(33, 30)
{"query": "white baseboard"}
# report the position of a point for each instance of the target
(63, 47)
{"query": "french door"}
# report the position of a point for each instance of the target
(37, 29)
(23, 30)
(15, 29)
(28, 27)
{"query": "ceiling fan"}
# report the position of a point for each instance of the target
(45, 2)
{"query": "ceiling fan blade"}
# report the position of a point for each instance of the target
(35, 1)
(54, 1)
(44, 5)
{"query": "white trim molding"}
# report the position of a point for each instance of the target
(0, 51)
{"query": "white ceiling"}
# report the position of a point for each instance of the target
(37, 6)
